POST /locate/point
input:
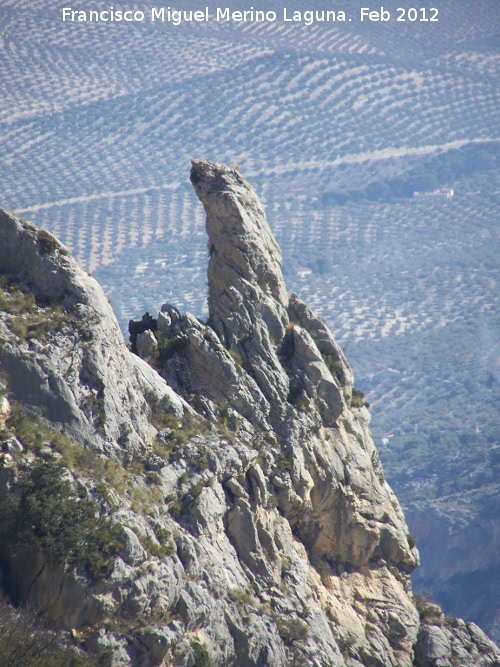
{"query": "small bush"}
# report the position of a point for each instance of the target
(201, 656)
(105, 496)
(335, 366)
(428, 611)
(162, 534)
(159, 550)
(34, 436)
(223, 416)
(226, 433)
(38, 325)
(19, 327)
(272, 502)
(26, 641)
(241, 598)
(164, 420)
(197, 488)
(357, 400)
(30, 433)
(295, 393)
(237, 358)
(190, 427)
(284, 463)
(32, 317)
(183, 477)
(200, 460)
(411, 540)
(346, 643)
(51, 318)
(169, 347)
(47, 243)
(161, 411)
(286, 350)
(175, 509)
(152, 478)
(292, 629)
(166, 546)
(14, 300)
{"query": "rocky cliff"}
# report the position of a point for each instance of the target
(234, 506)
(463, 576)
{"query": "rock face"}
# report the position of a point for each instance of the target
(69, 362)
(257, 529)
(247, 300)
(464, 579)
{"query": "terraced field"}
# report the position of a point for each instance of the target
(97, 127)
(96, 133)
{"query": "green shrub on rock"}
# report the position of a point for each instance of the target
(201, 656)
(48, 516)
(26, 641)
(46, 242)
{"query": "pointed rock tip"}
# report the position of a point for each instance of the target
(212, 177)
(247, 299)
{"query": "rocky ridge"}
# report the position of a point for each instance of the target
(68, 377)
(256, 526)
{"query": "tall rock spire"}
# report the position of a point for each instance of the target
(247, 297)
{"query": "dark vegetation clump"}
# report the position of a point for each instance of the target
(284, 463)
(335, 367)
(292, 629)
(47, 243)
(168, 347)
(287, 351)
(14, 300)
(201, 656)
(296, 393)
(29, 315)
(162, 414)
(136, 327)
(357, 400)
(428, 611)
(48, 516)
(26, 641)
(440, 170)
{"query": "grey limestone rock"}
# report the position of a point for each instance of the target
(247, 296)
(433, 647)
(132, 550)
(452, 643)
(317, 380)
(146, 344)
(13, 446)
(298, 311)
(198, 363)
(4, 409)
(81, 378)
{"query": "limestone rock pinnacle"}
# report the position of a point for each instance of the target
(247, 296)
